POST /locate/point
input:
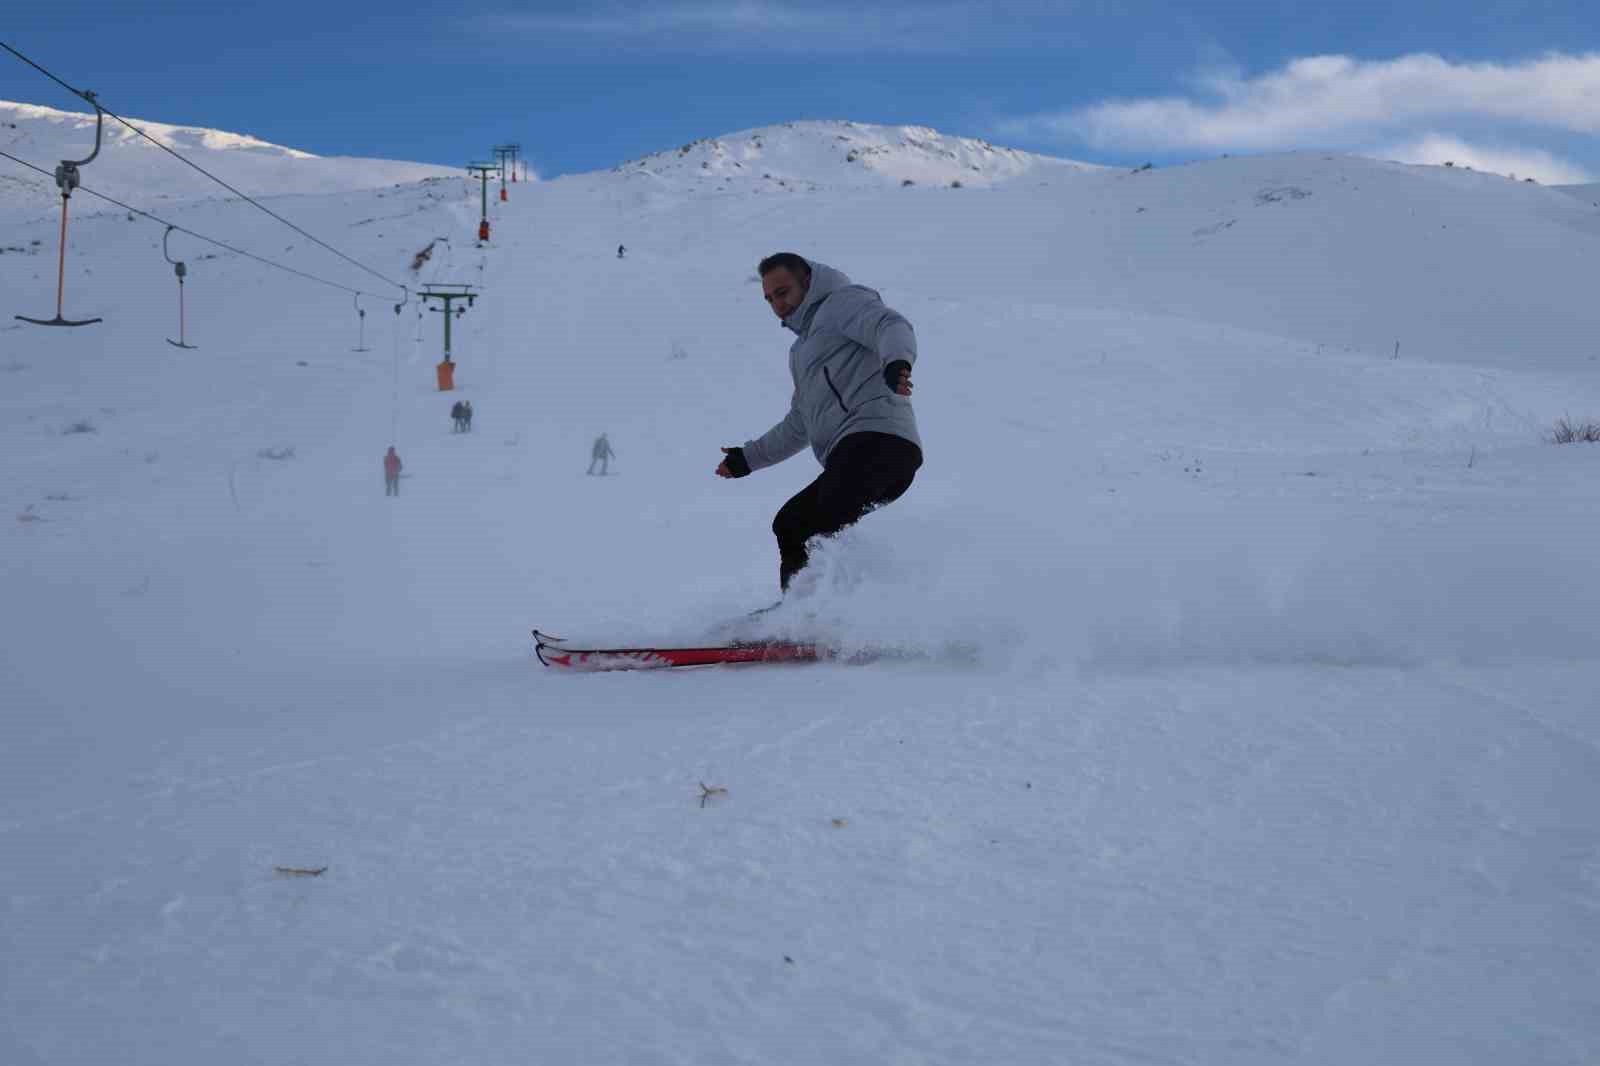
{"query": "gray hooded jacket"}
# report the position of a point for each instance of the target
(846, 336)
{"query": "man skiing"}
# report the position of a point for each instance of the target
(601, 453)
(851, 365)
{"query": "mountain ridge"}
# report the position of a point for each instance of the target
(131, 168)
(869, 154)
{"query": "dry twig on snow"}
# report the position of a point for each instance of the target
(300, 871)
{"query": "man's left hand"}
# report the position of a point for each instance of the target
(897, 375)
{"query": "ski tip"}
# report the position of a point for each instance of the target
(541, 642)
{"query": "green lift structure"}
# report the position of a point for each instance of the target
(447, 295)
(481, 171)
(506, 153)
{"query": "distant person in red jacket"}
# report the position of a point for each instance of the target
(391, 473)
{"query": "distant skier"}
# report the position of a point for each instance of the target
(851, 366)
(602, 454)
(391, 473)
(621, 251)
(456, 417)
(466, 417)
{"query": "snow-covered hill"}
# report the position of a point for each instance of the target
(1281, 745)
(833, 154)
(131, 168)
(1589, 194)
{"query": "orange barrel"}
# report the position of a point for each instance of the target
(447, 375)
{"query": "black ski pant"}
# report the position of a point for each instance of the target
(864, 471)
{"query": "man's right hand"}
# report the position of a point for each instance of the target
(733, 463)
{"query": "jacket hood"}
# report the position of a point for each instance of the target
(825, 280)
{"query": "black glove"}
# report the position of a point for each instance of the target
(738, 465)
(891, 373)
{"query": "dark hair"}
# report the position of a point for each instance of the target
(787, 261)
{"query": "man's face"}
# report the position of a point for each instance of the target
(783, 291)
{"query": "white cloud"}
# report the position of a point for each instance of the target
(1521, 162)
(1334, 100)
(774, 25)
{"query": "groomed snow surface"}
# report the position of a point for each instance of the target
(1279, 743)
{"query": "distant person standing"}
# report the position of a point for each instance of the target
(391, 473)
(601, 454)
(621, 252)
(466, 417)
(455, 417)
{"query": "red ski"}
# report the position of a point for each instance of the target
(553, 652)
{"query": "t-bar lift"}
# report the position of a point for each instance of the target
(66, 181)
(361, 337)
(182, 271)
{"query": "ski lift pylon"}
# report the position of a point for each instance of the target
(181, 271)
(67, 180)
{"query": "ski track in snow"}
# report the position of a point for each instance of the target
(1277, 745)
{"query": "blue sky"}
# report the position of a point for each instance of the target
(584, 86)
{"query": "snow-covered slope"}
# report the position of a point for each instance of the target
(131, 168)
(832, 154)
(1280, 747)
(1589, 194)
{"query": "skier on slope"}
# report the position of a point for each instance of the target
(851, 366)
(601, 453)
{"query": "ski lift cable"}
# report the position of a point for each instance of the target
(192, 233)
(243, 196)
